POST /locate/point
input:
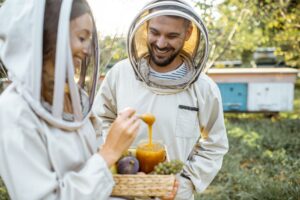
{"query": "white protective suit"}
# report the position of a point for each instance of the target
(42, 155)
(189, 118)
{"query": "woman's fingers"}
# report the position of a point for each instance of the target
(126, 113)
(134, 127)
(129, 122)
(121, 134)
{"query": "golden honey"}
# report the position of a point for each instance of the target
(150, 155)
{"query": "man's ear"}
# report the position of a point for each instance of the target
(189, 31)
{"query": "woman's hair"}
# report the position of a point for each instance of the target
(52, 11)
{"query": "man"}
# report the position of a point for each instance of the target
(167, 48)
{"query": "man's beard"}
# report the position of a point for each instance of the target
(165, 61)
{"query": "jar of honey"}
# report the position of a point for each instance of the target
(150, 155)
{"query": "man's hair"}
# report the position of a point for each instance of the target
(187, 22)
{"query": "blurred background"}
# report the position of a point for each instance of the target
(255, 60)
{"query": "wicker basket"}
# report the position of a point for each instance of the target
(143, 185)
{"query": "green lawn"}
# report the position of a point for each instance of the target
(263, 161)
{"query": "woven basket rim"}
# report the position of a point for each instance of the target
(143, 185)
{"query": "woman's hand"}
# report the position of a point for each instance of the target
(173, 193)
(121, 135)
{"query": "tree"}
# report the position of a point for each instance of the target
(284, 25)
(112, 49)
(241, 26)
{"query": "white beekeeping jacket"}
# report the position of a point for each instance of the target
(46, 153)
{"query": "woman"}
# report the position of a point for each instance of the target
(48, 134)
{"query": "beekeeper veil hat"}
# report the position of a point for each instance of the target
(194, 51)
(50, 49)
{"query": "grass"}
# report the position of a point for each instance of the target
(263, 162)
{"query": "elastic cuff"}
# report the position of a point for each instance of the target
(103, 166)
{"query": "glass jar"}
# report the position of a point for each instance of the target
(149, 155)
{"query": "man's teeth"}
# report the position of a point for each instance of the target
(161, 51)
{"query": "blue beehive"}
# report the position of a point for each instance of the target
(234, 96)
(256, 89)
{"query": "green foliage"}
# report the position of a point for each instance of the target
(282, 21)
(3, 191)
(243, 26)
(112, 50)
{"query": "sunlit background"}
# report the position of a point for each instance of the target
(113, 17)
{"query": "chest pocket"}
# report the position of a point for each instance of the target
(187, 122)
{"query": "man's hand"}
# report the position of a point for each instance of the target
(172, 195)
